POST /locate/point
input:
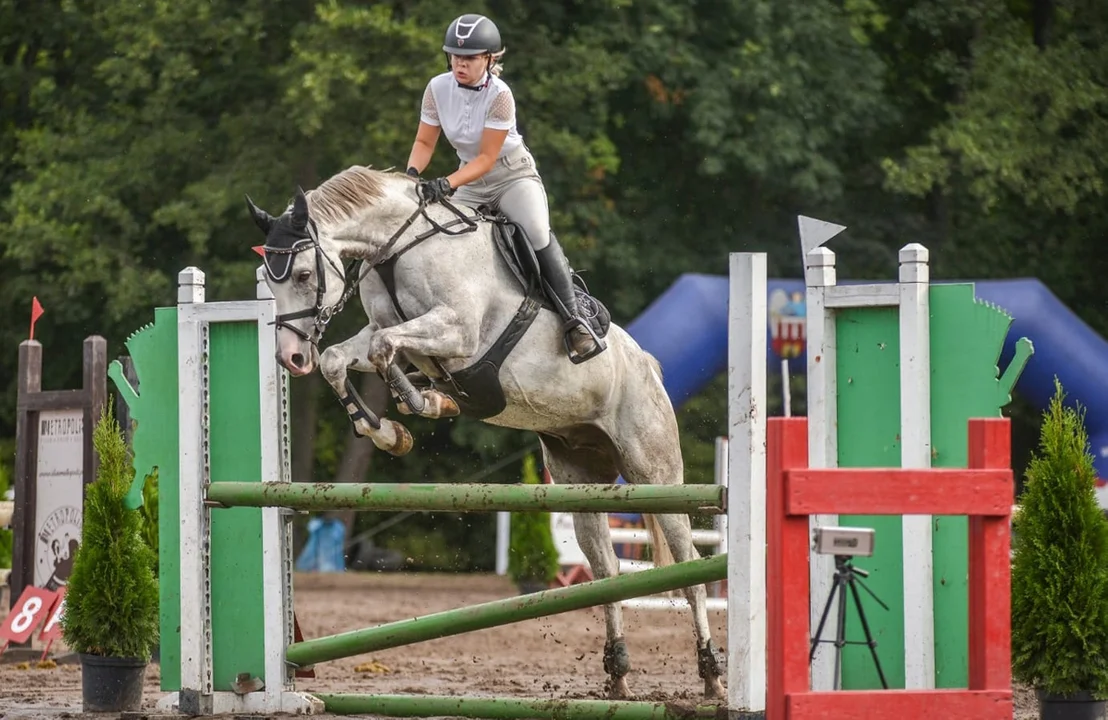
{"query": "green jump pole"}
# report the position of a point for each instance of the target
(507, 611)
(473, 497)
(515, 708)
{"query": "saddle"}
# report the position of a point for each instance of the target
(514, 246)
(477, 389)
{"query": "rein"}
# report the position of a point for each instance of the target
(323, 314)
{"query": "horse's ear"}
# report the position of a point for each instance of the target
(300, 209)
(262, 219)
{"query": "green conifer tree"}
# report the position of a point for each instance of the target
(111, 605)
(1059, 576)
(6, 537)
(532, 555)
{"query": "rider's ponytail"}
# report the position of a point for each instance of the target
(495, 68)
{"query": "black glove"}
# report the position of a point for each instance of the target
(435, 190)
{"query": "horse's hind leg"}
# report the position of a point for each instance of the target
(594, 538)
(652, 455)
(676, 529)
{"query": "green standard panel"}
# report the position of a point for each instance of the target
(967, 337)
(235, 454)
(155, 443)
(237, 620)
(868, 378)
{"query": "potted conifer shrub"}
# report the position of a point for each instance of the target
(111, 603)
(532, 556)
(1060, 574)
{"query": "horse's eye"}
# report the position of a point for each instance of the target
(303, 276)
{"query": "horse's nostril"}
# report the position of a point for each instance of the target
(298, 360)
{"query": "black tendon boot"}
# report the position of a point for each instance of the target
(581, 342)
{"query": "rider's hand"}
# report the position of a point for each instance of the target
(412, 172)
(435, 190)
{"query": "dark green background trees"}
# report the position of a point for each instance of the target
(669, 134)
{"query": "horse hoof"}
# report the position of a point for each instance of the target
(713, 690)
(449, 407)
(619, 690)
(403, 443)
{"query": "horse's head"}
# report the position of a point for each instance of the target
(307, 283)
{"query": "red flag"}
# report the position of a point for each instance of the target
(36, 313)
(260, 249)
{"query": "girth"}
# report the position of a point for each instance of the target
(476, 388)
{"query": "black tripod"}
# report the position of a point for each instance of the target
(847, 575)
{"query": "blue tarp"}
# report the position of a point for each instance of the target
(686, 329)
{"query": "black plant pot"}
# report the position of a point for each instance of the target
(110, 684)
(526, 587)
(1079, 706)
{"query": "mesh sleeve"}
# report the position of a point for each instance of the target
(429, 111)
(502, 111)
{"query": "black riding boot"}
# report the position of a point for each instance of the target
(581, 342)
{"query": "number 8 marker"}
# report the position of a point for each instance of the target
(26, 615)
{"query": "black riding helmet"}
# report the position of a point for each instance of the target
(472, 34)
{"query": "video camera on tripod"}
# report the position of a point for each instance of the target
(844, 543)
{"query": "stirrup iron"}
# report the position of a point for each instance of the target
(567, 330)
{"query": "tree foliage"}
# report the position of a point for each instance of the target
(668, 135)
(1060, 565)
(111, 601)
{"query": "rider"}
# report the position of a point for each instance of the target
(476, 111)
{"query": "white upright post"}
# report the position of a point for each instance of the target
(746, 483)
(277, 693)
(720, 521)
(193, 465)
(819, 275)
(503, 540)
(915, 452)
(786, 389)
(276, 545)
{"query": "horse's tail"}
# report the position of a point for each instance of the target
(662, 554)
(654, 365)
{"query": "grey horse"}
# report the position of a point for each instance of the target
(452, 292)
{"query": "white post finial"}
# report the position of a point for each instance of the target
(190, 286)
(819, 268)
(913, 264)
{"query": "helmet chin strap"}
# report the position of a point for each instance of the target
(477, 88)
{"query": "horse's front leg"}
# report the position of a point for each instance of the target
(428, 403)
(437, 333)
(334, 364)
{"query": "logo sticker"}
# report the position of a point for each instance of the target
(61, 535)
(787, 323)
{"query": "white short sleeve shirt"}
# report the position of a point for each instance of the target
(464, 114)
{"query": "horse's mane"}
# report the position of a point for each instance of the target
(342, 195)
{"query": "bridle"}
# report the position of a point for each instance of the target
(321, 313)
